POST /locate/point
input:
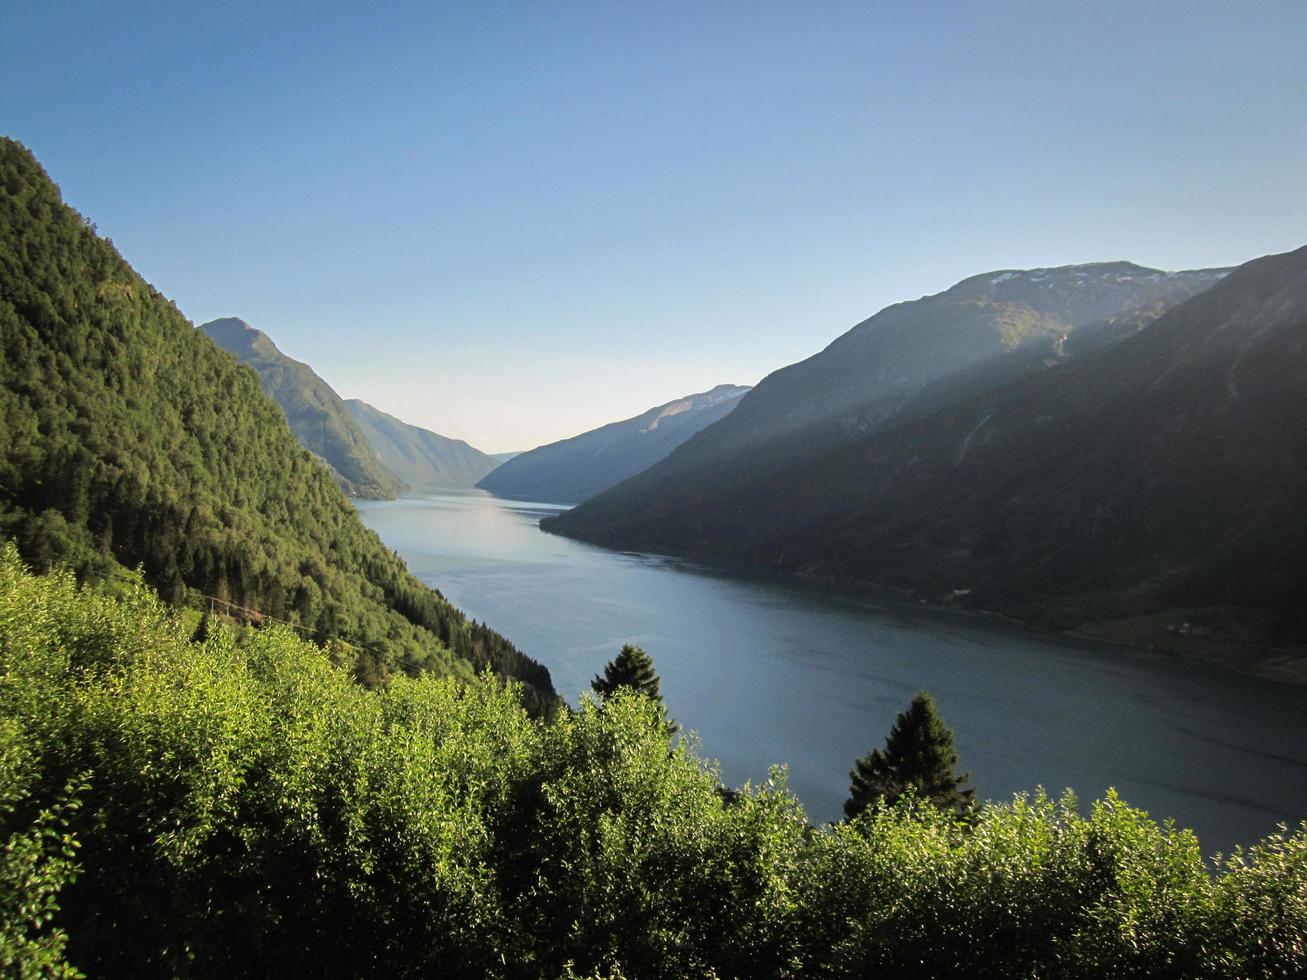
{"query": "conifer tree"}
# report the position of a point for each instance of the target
(632, 668)
(919, 757)
(203, 629)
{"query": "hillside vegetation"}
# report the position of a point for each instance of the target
(223, 808)
(128, 438)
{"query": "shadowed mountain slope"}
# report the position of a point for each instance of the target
(1163, 471)
(908, 360)
(420, 458)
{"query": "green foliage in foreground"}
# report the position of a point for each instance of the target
(170, 807)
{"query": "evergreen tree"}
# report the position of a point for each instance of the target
(919, 757)
(203, 629)
(632, 668)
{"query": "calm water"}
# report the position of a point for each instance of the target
(769, 672)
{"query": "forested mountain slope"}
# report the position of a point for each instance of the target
(908, 360)
(583, 466)
(128, 437)
(317, 415)
(1164, 471)
(422, 459)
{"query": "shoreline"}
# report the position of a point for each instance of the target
(1145, 633)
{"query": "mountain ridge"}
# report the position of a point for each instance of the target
(1151, 474)
(900, 362)
(420, 458)
(577, 468)
(316, 414)
(981, 317)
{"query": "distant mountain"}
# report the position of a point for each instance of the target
(1162, 472)
(127, 438)
(908, 360)
(1002, 322)
(505, 457)
(317, 415)
(576, 469)
(420, 458)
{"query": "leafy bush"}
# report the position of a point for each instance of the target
(239, 806)
(37, 861)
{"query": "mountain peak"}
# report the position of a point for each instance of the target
(234, 335)
(702, 400)
(231, 326)
(1111, 275)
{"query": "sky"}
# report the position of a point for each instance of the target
(513, 222)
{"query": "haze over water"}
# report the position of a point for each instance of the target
(779, 672)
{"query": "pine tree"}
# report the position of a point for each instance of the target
(919, 757)
(632, 668)
(203, 629)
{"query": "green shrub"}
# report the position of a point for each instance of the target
(240, 806)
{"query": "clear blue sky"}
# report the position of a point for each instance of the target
(514, 222)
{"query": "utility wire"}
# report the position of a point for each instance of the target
(260, 617)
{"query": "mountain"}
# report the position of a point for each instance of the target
(127, 437)
(1159, 476)
(505, 457)
(316, 414)
(576, 469)
(908, 360)
(420, 458)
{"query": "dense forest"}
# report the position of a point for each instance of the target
(170, 807)
(127, 438)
